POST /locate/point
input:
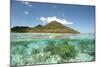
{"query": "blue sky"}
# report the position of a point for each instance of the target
(79, 17)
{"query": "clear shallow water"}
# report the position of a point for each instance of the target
(36, 48)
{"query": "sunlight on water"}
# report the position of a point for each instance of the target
(36, 48)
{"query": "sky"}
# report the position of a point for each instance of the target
(79, 17)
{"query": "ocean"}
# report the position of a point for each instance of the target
(51, 48)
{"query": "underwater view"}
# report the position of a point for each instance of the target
(51, 48)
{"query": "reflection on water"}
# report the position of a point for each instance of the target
(36, 48)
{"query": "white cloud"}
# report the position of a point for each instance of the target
(43, 19)
(26, 12)
(54, 18)
(27, 3)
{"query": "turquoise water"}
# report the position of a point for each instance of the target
(36, 48)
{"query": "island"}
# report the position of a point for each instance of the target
(51, 27)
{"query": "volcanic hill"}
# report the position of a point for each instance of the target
(52, 27)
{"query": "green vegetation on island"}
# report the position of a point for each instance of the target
(52, 27)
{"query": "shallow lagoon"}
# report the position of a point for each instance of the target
(51, 48)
